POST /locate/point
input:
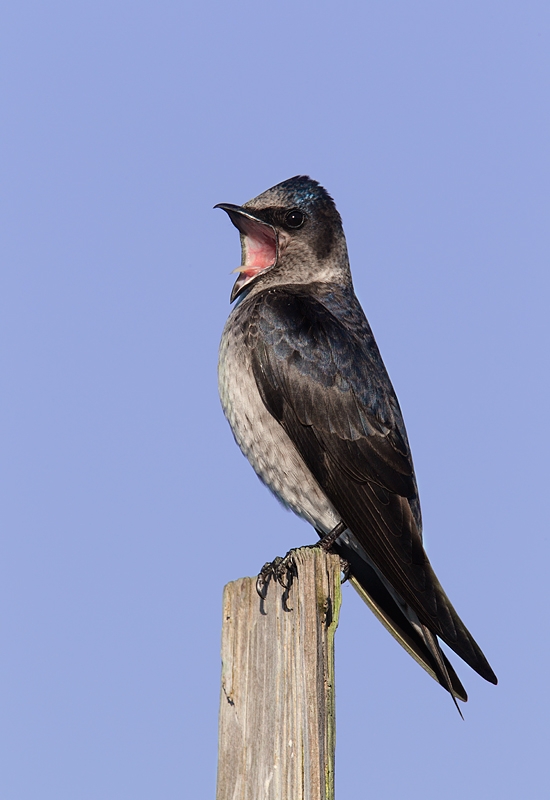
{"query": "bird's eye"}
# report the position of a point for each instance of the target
(294, 219)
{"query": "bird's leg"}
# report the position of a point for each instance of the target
(326, 542)
(328, 539)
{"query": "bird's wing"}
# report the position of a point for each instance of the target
(330, 391)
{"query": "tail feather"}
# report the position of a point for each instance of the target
(371, 589)
(463, 643)
(439, 662)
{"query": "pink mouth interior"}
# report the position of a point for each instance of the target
(260, 247)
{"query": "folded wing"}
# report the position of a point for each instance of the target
(328, 388)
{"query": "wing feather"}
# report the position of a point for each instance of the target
(327, 386)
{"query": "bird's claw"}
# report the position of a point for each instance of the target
(345, 568)
(283, 570)
(264, 576)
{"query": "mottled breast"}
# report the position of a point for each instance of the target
(261, 438)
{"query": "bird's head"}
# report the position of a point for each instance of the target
(292, 233)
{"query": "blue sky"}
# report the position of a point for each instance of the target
(125, 504)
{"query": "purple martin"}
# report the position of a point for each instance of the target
(311, 406)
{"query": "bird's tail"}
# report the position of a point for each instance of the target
(455, 634)
(421, 644)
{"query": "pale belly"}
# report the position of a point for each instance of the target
(263, 441)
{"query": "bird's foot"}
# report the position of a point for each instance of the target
(345, 568)
(283, 570)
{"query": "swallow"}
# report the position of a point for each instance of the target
(311, 406)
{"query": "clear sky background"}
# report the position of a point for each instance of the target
(126, 505)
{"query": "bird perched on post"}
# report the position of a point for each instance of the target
(311, 406)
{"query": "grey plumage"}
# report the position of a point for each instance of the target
(311, 406)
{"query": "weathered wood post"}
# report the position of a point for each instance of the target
(277, 707)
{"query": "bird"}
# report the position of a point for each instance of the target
(311, 406)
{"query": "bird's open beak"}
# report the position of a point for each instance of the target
(258, 242)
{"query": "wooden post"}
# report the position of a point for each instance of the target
(277, 711)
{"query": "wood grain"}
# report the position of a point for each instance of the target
(277, 712)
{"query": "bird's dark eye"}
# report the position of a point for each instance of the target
(294, 219)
